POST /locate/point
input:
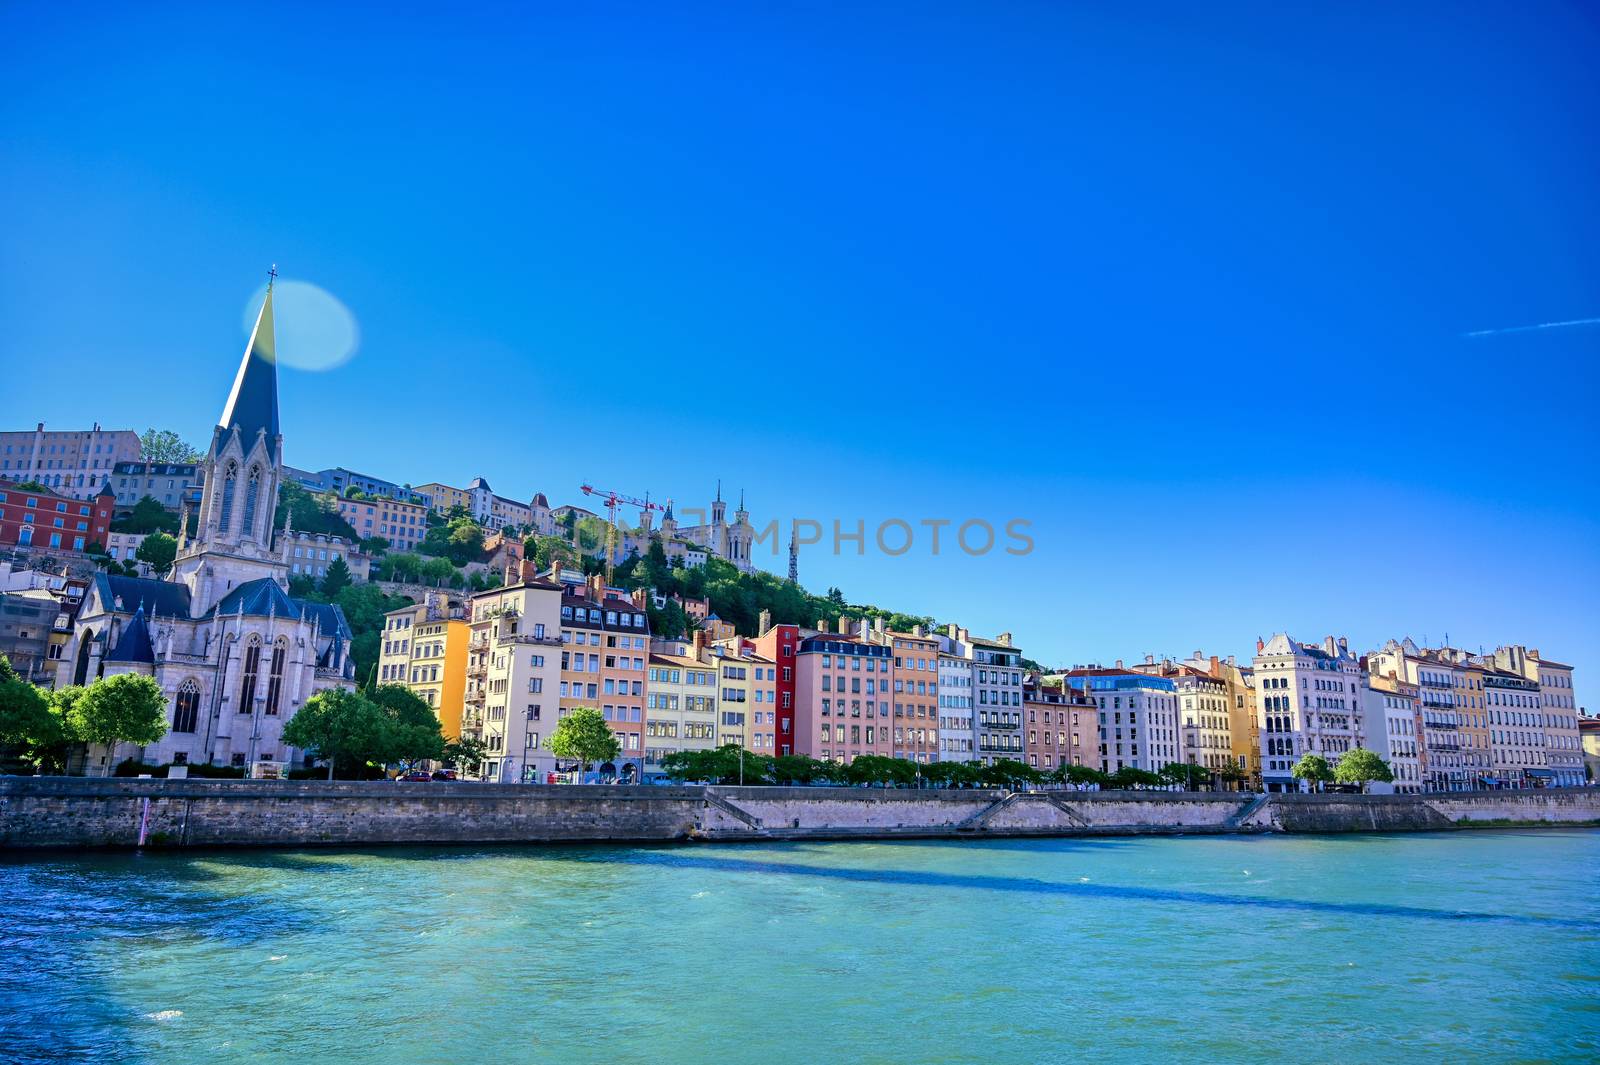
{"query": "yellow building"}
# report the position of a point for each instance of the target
(402, 524)
(424, 648)
(1243, 728)
(680, 708)
(1475, 732)
(736, 696)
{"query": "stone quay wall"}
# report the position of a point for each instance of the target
(40, 812)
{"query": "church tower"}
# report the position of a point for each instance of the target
(242, 470)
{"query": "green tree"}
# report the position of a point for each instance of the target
(1313, 769)
(126, 708)
(164, 445)
(1008, 772)
(465, 754)
(1361, 767)
(413, 728)
(583, 736)
(146, 516)
(375, 545)
(437, 571)
(345, 727)
(876, 769)
(802, 769)
(32, 732)
(158, 551)
(337, 579)
(1129, 777)
(312, 513)
(1186, 775)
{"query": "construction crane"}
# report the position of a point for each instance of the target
(611, 500)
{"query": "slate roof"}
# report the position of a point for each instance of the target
(134, 645)
(167, 598)
(264, 596)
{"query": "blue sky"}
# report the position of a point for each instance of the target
(1040, 261)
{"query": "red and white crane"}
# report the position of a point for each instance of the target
(611, 500)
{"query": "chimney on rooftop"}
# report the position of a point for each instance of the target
(1261, 645)
(1216, 669)
(1329, 645)
(1149, 660)
(699, 644)
(1004, 639)
(1344, 645)
(530, 571)
(877, 624)
(952, 631)
(1119, 663)
(763, 622)
(916, 630)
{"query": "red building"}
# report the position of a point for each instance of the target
(43, 519)
(778, 645)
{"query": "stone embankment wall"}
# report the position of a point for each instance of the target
(77, 812)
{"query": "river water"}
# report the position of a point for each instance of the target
(1477, 946)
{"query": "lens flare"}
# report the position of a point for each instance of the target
(314, 331)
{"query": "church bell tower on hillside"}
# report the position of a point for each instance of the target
(242, 470)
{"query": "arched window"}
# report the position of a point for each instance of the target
(247, 680)
(251, 491)
(280, 651)
(225, 508)
(186, 707)
(80, 670)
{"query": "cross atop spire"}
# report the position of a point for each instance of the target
(272, 275)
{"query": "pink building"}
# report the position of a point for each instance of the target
(843, 699)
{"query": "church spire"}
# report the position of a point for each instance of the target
(253, 403)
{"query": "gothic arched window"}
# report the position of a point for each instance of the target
(251, 491)
(247, 680)
(186, 707)
(280, 651)
(225, 507)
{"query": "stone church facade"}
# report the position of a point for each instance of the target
(234, 653)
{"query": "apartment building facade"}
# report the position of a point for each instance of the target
(516, 646)
(957, 738)
(402, 524)
(1311, 702)
(424, 648)
(605, 651)
(1394, 724)
(1136, 716)
(842, 697)
(680, 707)
(53, 521)
(778, 644)
(75, 463)
(1061, 726)
(172, 484)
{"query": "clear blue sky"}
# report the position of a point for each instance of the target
(1044, 261)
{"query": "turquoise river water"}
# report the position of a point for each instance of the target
(1481, 946)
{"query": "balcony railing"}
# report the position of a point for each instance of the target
(530, 638)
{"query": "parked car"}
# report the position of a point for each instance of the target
(444, 774)
(416, 776)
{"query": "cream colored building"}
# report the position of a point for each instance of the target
(513, 677)
(1558, 712)
(680, 707)
(1311, 701)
